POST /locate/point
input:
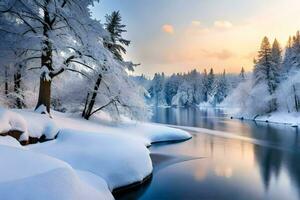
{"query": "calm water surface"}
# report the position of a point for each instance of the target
(224, 167)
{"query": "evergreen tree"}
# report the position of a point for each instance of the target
(157, 89)
(171, 88)
(242, 75)
(205, 86)
(266, 69)
(275, 67)
(210, 81)
(263, 62)
(291, 61)
(221, 89)
(295, 60)
(115, 27)
(287, 61)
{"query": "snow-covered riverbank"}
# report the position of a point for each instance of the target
(291, 119)
(87, 160)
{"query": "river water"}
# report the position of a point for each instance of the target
(232, 160)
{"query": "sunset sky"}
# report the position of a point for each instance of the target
(179, 35)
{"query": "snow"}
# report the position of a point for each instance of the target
(10, 141)
(11, 121)
(116, 158)
(39, 124)
(25, 174)
(87, 160)
(292, 119)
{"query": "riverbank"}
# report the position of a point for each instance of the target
(84, 160)
(291, 119)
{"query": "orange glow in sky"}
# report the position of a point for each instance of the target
(179, 35)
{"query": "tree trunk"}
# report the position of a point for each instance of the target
(85, 105)
(46, 62)
(44, 96)
(18, 90)
(91, 103)
(296, 99)
(6, 82)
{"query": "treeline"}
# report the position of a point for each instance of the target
(189, 89)
(275, 83)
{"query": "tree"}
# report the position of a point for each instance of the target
(115, 27)
(287, 61)
(275, 69)
(205, 88)
(266, 70)
(221, 89)
(263, 62)
(52, 39)
(171, 88)
(242, 75)
(157, 89)
(210, 81)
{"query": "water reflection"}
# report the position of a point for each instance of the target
(231, 169)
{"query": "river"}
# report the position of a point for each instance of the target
(232, 160)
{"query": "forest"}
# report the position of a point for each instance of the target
(272, 85)
(51, 52)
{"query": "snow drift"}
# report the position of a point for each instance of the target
(87, 160)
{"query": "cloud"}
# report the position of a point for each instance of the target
(223, 24)
(196, 23)
(167, 28)
(220, 55)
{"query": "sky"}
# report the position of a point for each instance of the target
(180, 35)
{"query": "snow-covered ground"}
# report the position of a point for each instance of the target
(292, 119)
(87, 160)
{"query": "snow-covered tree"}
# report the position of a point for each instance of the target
(58, 36)
(263, 62)
(266, 70)
(275, 83)
(205, 87)
(157, 90)
(115, 27)
(287, 61)
(210, 82)
(184, 96)
(221, 89)
(171, 87)
(52, 34)
(242, 75)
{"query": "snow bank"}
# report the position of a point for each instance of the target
(28, 123)
(28, 175)
(11, 121)
(10, 141)
(153, 133)
(87, 160)
(118, 159)
(38, 124)
(292, 119)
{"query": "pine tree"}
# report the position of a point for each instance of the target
(263, 62)
(221, 89)
(115, 27)
(287, 61)
(210, 81)
(274, 73)
(205, 86)
(171, 88)
(157, 89)
(242, 75)
(266, 69)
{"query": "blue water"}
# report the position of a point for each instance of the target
(223, 167)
